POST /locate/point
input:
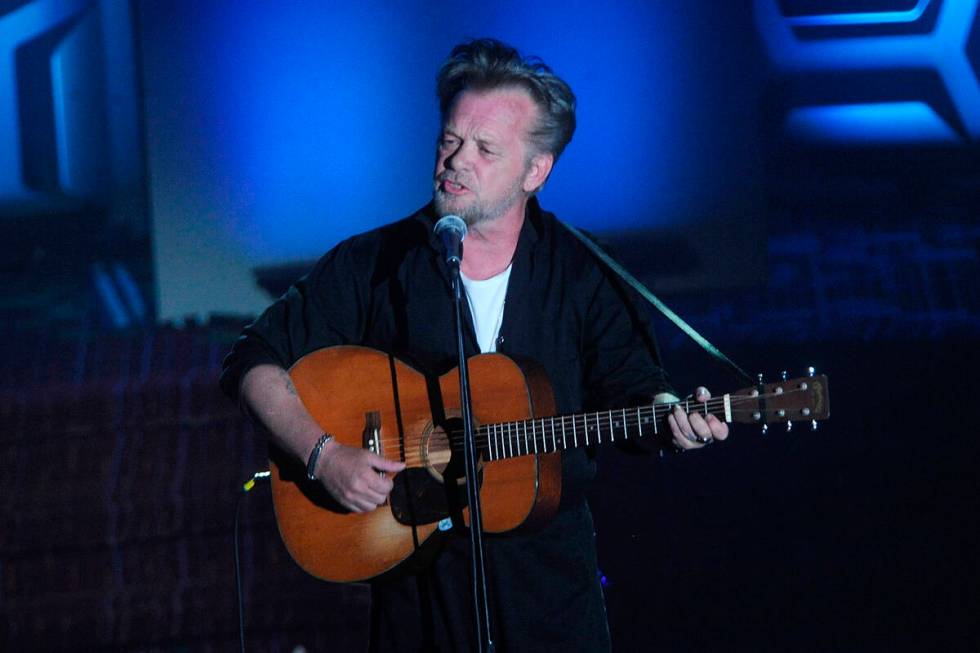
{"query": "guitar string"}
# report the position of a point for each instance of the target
(587, 418)
(517, 431)
(501, 449)
(485, 435)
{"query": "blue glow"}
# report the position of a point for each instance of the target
(16, 28)
(130, 292)
(943, 50)
(110, 298)
(865, 18)
(879, 123)
(314, 121)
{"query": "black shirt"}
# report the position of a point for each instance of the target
(389, 289)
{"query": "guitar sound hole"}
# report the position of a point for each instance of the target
(440, 456)
(436, 452)
(436, 490)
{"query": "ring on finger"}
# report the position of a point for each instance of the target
(694, 437)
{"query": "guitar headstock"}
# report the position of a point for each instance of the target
(804, 398)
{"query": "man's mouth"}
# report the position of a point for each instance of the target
(453, 188)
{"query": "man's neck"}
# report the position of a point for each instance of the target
(490, 245)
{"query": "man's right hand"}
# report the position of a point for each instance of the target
(352, 476)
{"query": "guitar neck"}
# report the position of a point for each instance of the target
(550, 434)
(800, 399)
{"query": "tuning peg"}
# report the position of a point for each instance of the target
(758, 391)
(789, 426)
(810, 371)
(783, 375)
(813, 425)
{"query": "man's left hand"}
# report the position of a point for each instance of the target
(694, 430)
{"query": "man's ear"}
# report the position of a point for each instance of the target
(538, 171)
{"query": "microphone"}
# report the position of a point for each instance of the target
(451, 231)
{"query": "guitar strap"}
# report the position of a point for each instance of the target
(660, 306)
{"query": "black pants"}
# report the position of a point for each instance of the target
(544, 595)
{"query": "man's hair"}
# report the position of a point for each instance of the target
(488, 64)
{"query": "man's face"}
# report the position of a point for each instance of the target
(482, 156)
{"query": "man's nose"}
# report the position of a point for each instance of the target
(461, 157)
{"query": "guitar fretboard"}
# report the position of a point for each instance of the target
(550, 434)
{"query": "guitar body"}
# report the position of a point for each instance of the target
(359, 394)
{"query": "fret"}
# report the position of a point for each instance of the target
(502, 440)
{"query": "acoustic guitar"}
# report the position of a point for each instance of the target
(369, 399)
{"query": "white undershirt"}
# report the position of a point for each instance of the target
(486, 300)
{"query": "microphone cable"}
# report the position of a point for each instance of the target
(246, 488)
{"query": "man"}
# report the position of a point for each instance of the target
(533, 291)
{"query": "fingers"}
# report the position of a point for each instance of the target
(699, 427)
(352, 477)
(719, 429)
(683, 432)
(362, 492)
(385, 465)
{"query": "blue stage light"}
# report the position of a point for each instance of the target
(870, 124)
(851, 45)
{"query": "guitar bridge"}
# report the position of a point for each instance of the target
(371, 437)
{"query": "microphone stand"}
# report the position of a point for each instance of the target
(478, 570)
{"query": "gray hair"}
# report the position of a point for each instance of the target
(486, 64)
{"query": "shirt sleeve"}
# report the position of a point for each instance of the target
(324, 308)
